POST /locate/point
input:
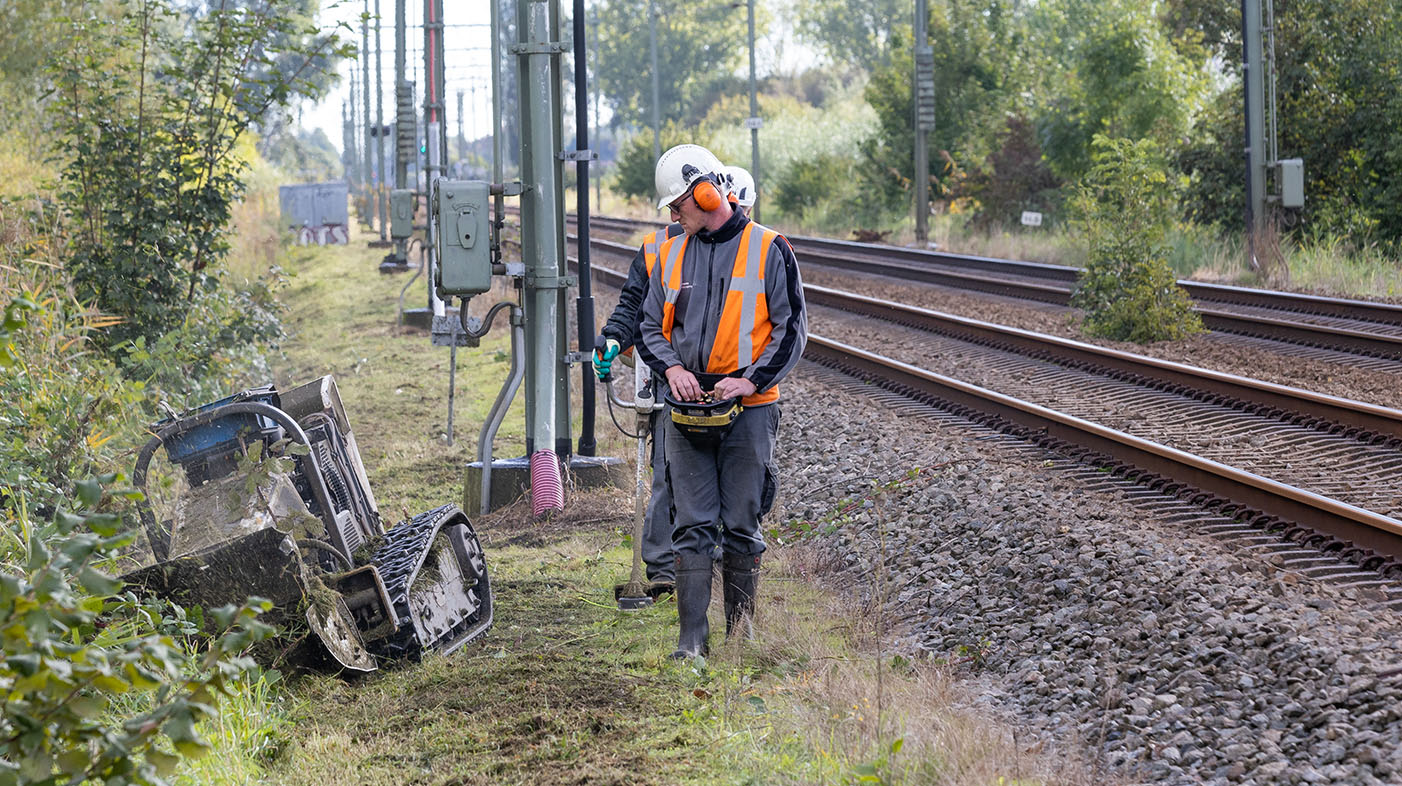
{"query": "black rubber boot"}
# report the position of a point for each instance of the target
(740, 580)
(694, 572)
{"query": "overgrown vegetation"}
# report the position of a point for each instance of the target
(1124, 207)
(151, 185)
(102, 687)
(113, 280)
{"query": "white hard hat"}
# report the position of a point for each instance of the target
(741, 185)
(679, 168)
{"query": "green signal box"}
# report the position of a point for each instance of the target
(462, 230)
(401, 213)
(1292, 182)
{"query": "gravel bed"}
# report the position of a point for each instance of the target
(1339, 467)
(1375, 387)
(1171, 657)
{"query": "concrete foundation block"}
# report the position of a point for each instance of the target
(511, 479)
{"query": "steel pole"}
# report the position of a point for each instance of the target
(541, 242)
(380, 189)
(564, 445)
(347, 142)
(462, 138)
(754, 113)
(922, 160)
(656, 101)
(433, 130)
(1252, 78)
(496, 92)
(584, 304)
(353, 152)
(365, 103)
(401, 56)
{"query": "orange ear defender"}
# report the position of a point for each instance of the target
(707, 195)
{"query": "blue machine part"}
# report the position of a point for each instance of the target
(221, 436)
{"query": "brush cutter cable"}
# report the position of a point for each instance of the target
(616, 424)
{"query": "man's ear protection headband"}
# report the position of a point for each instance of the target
(706, 190)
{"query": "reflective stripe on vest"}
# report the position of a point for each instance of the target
(670, 252)
(744, 328)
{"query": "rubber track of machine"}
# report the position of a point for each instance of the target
(398, 560)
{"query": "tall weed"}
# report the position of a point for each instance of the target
(1124, 207)
(61, 403)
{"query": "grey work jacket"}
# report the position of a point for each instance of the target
(706, 272)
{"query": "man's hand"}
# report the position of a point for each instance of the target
(734, 387)
(683, 383)
(603, 361)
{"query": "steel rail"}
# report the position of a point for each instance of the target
(1245, 491)
(1239, 492)
(1342, 308)
(1305, 407)
(1023, 280)
(1308, 407)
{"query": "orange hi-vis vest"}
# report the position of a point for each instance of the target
(744, 329)
(650, 244)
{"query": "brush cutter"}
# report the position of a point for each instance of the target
(634, 594)
(305, 532)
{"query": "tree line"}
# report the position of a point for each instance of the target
(1022, 90)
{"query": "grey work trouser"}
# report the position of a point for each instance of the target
(657, 523)
(719, 493)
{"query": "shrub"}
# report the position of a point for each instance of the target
(72, 645)
(149, 112)
(1015, 179)
(1124, 208)
(805, 184)
(58, 401)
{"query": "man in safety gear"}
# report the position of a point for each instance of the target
(742, 188)
(724, 315)
(621, 335)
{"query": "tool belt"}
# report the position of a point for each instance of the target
(704, 423)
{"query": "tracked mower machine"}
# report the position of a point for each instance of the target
(304, 531)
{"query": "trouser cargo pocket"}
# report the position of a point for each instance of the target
(771, 489)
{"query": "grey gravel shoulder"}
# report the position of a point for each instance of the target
(1170, 657)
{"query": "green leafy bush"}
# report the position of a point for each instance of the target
(60, 403)
(1124, 207)
(149, 113)
(72, 646)
(805, 184)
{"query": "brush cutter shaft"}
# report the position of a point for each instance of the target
(643, 402)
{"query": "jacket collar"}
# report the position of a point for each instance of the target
(728, 230)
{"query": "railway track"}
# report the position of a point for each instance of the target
(1292, 471)
(1359, 328)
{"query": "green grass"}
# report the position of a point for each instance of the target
(1327, 265)
(246, 736)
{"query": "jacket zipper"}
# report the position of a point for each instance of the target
(706, 314)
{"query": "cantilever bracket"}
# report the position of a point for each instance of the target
(577, 155)
(538, 48)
